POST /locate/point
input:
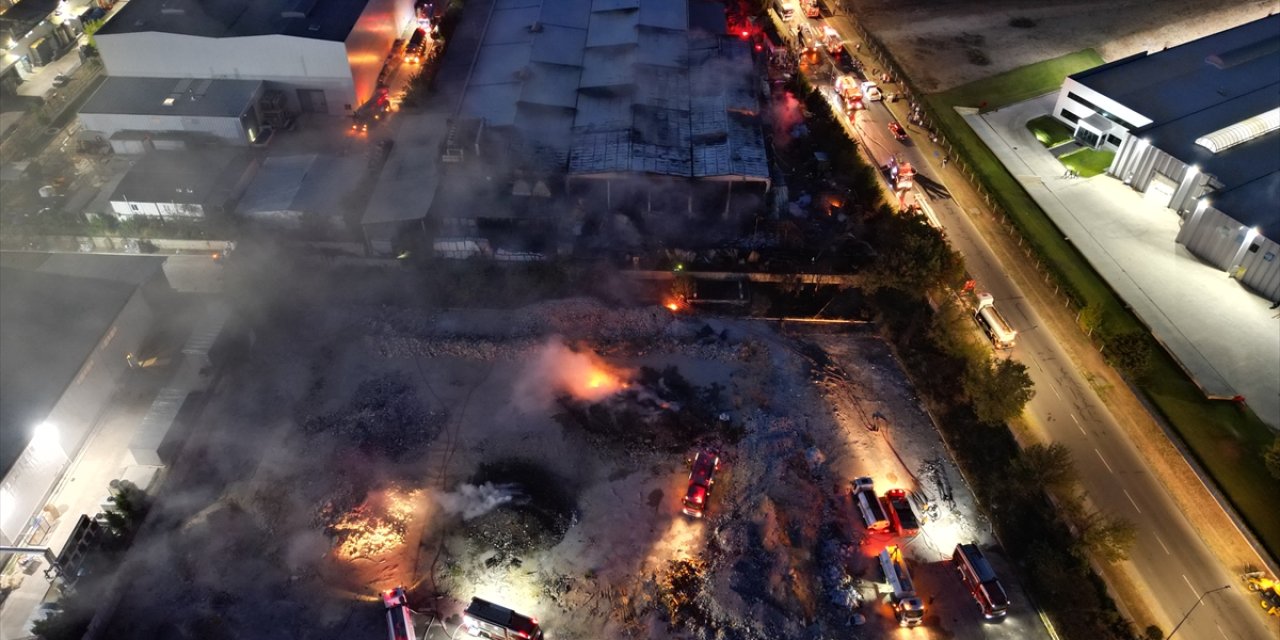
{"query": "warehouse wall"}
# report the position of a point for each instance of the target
(286, 61)
(370, 41)
(1224, 243)
(229, 129)
(33, 476)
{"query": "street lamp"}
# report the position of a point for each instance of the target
(1193, 608)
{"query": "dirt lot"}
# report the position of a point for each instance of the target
(946, 43)
(536, 457)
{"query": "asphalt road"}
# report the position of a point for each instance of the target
(1173, 564)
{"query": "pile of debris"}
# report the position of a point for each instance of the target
(537, 519)
(383, 417)
(373, 528)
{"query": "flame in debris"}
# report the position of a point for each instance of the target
(376, 527)
(558, 369)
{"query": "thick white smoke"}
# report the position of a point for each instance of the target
(472, 501)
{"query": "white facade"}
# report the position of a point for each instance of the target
(1098, 121)
(24, 489)
(163, 210)
(294, 63)
(319, 75)
(230, 130)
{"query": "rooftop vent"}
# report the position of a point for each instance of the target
(299, 9)
(1241, 55)
(1241, 132)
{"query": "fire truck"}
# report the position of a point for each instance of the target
(901, 175)
(487, 620)
(399, 624)
(850, 93)
(810, 8)
(371, 112)
(902, 516)
(831, 40)
(415, 51)
(907, 606)
(701, 477)
(980, 578)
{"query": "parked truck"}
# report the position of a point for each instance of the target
(868, 506)
(1002, 335)
(399, 623)
(1268, 590)
(902, 515)
(907, 606)
(701, 477)
(850, 93)
(831, 40)
(811, 8)
(487, 620)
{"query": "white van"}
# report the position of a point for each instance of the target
(784, 10)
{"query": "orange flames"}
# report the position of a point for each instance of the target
(376, 527)
(594, 380)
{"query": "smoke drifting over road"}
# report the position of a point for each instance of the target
(558, 369)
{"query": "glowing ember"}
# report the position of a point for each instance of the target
(376, 527)
(673, 306)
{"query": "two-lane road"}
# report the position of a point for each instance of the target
(1170, 561)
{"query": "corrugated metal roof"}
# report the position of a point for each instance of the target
(664, 14)
(159, 419)
(613, 28)
(552, 85)
(559, 45)
(207, 329)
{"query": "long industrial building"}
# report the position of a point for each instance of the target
(325, 54)
(1196, 128)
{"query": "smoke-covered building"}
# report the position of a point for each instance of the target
(70, 322)
(1196, 128)
(325, 55)
(644, 100)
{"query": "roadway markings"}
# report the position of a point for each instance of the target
(1162, 544)
(1224, 633)
(1104, 460)
(1131, 500)
(1193, 589)
(1073, 419)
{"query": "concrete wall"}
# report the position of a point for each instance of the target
(1222, 242)
(1137, 164)
(33, 476)
(229, 129)
(285, 61)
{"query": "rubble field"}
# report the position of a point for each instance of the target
(537, 458)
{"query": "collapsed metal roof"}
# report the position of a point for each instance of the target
(619, 86)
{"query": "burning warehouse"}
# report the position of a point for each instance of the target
(645, 108)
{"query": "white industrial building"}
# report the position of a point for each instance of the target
(1196, 129)
(70, 322)
(179, 185)
(216, 110)
(326, 55)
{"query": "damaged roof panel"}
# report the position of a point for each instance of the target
(552, 85)
(665, 14)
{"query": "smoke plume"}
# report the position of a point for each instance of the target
(557, 369)
(472, 501)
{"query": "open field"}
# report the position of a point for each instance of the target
(944, 44)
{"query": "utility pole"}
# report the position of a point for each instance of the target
(1193, 608)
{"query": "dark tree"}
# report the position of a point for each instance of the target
(998, 390)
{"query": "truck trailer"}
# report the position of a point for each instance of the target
(399, 622)
(907, 606)
(865, 501)
(1002, 335)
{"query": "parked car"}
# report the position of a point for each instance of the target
(898, 132)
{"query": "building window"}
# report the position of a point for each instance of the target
(1070, 117)
(1087, 138)
(1115, 140)
(1100, 110)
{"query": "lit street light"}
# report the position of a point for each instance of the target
(1193, 608)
